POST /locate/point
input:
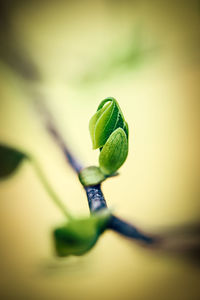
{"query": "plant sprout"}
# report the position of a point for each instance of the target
(77, 235)
(109, 133)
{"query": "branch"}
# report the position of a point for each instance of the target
(97, 202)
(95, 197)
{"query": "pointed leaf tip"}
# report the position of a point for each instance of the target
(114, 152)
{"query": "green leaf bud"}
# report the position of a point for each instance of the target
(109, 132)
(78, 236)
(91, 176)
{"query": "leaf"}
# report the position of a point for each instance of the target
(107, 118)
(91, 176)
(106, 124)
(99, 126)
(78, 236)
(10, 160)
(114, 152)
(93, 122)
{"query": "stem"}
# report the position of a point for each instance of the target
(49, 188)
(97, 202)
(53, 131)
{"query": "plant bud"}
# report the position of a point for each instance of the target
(78, 236)
(109, 132)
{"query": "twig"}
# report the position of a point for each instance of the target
(97, 202)
(95, 197)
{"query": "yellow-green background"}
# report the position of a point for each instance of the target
(77, 47)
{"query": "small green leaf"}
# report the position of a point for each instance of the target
(91, 176)
(78, 236)
(93, 123)
(10, 160)
(106, 124)
(114, 152)
(107, 118)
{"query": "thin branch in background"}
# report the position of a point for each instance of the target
(49, 189)
(51, 128)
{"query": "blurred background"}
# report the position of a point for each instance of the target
(71, 55)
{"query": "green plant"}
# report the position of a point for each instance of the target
(109, 133)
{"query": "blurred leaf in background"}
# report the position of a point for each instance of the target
(10, 159)
(127, 54)
(79, 236)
